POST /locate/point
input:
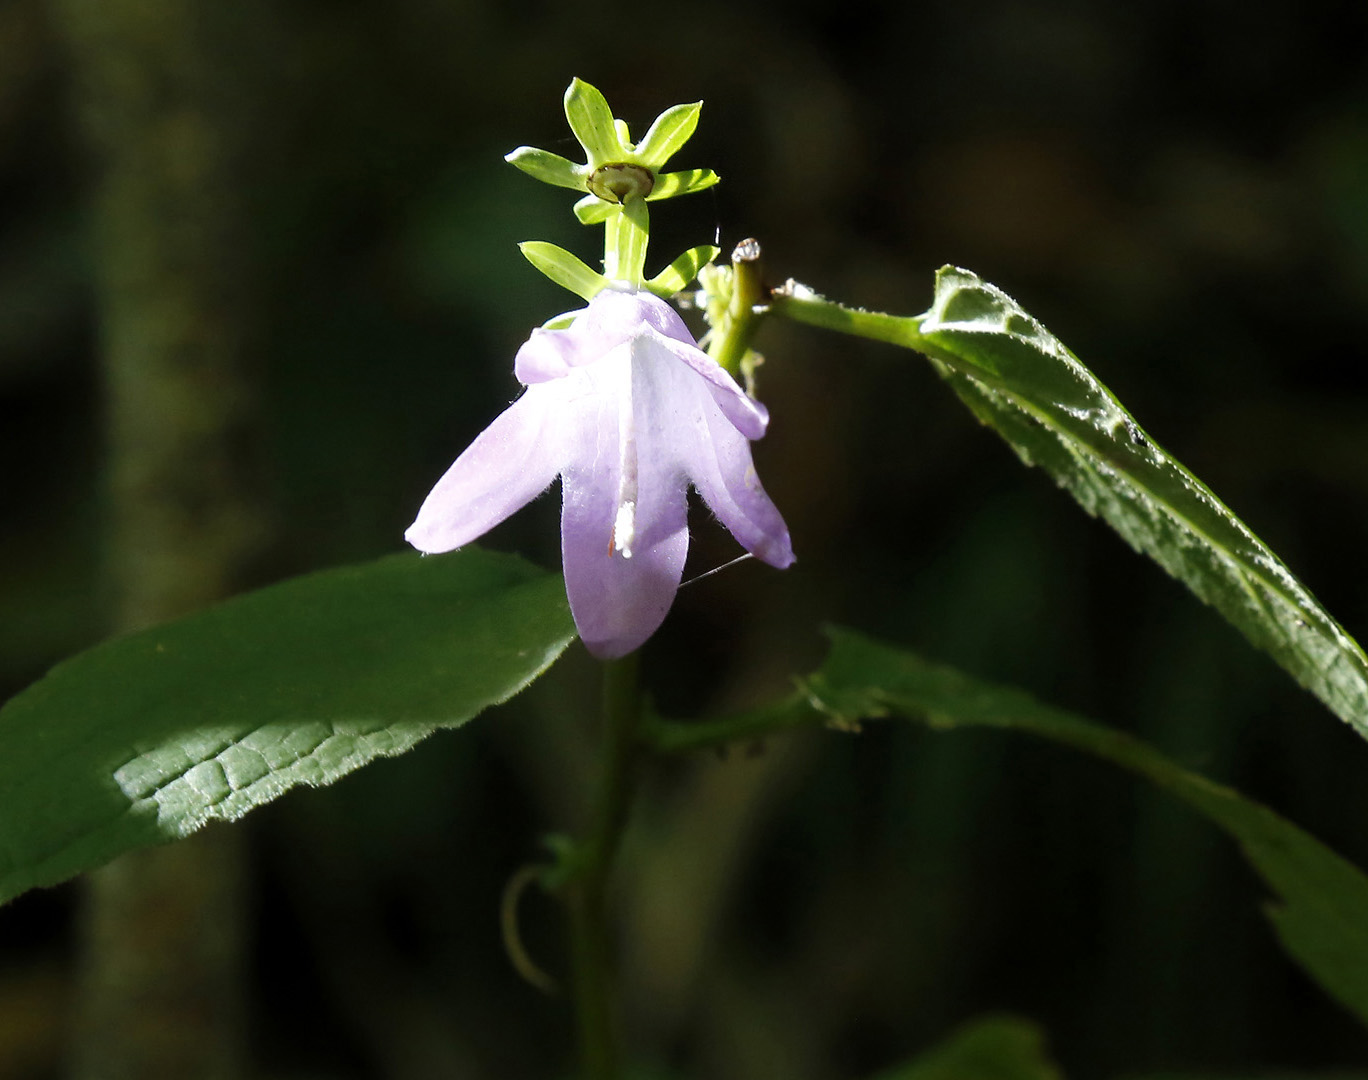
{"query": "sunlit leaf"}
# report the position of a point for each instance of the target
(145, 738)
(1021, 381)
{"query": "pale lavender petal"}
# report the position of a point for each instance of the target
(633, 310)
(549, 354)
(511, 462)
(662, 323)
(719, 465)
(617, 315)
(683, 423)
(622, 566)
(618, 602)
(543, 356)
(746, 414)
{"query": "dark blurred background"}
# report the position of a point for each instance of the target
(1178, 190)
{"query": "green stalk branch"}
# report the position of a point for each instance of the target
(801, 304)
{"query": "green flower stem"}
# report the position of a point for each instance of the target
(744, 309)
(624, 243)
(801, 304)
(590, 957)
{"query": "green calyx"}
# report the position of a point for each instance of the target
(617, 169)
(619, 177)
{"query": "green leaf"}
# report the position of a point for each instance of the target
(592, 122)
(990, 1048)
(668, 185)
(547, 167)
(1021, 381)
(1322, 916)
(565, 269)
(683, 270)
(145, 738)
(671, 130)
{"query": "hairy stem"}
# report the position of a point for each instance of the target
(731, 341)
(801, 304)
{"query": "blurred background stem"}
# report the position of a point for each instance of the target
(163, 103)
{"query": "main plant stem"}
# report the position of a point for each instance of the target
(590, 950)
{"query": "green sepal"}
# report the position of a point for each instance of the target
(592, 122)
(566, 270)
(591, 210)
(668, 185)
(547, 167)
(683, 270)
(671, 130)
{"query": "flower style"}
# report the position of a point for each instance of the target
(629, 412)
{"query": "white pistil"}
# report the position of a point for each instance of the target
(624, 525)
(624, 528)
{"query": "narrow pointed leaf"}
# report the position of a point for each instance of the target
(1321, 917)
(147, 737)
(591, 210)
(592, 122)
(671, 130)
(990, 1048)
(564, 268)
(547, 167)
(683, 270)
(1021, 381)
(668, 185)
